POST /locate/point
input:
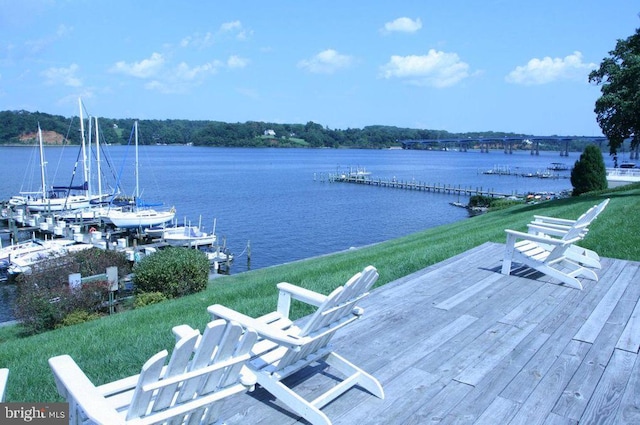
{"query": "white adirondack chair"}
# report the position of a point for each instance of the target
(551, 226)
(4, 375)
(190, 389)
(547, 255)
(285, 347)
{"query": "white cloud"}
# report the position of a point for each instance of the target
(183, 77)
(231, 26)
(237, 62)
(435, 69)
(165, 75)
(326, 62)
(547, 70)
(146, 68)
(64, 76)
(185, 72)
(198, 40)
(234, 29)
(402, 25)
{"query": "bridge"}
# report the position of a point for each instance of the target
(463, 144)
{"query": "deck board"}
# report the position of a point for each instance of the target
(460, 343)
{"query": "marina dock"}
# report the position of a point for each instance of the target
(18, 225)
(364, 179)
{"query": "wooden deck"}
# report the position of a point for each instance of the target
(460, 343)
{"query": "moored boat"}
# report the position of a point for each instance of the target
(138, 215)
(188, 236)
(49, 249)
(622, 176)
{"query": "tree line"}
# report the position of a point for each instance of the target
(14, 125)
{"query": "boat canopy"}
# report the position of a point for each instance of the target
(84, 186)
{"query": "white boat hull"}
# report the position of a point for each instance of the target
(44, 250)
(622, 176)
(139, 218)
(58, 204)
(187, 236)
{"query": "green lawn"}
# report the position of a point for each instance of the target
(117, 346)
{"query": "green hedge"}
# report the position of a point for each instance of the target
(175, 272)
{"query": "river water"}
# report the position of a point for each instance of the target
(281, 201)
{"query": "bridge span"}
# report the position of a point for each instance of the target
(506, 143)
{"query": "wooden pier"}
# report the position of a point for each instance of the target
(416, 185)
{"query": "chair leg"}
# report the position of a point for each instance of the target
(506, 265)
(292, 400)
(570, 281)
(365, 380)
(508, 255)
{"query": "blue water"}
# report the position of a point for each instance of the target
(280, 201)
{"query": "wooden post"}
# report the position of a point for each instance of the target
(248, 255)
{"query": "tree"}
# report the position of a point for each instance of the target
(618, 109)
(589, 172)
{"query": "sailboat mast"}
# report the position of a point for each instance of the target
(89, 146)
(42, 165)
(137, 182)
(84, 150)
(98, 160)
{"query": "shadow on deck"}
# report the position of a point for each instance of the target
(460, 343)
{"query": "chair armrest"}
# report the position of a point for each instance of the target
(547, 229)
(76, 388)
(553, 229)
(301, 294)
(287, 291)
(514, 234)
(263, 329)
(553, 220)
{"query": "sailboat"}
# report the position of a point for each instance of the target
(99, 200)
(137, 215)
(56, 198)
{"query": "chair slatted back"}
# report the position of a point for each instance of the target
(558, 251)
(214, 366)
(337, 310)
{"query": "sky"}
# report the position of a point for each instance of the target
(457, 65)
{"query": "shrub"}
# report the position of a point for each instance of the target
(44, 298)
(480, 201)
(37, 309)
(148, 298)
(77, 317)
(589, 173)
(95, 261)
(175, 272)
(42, 308)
